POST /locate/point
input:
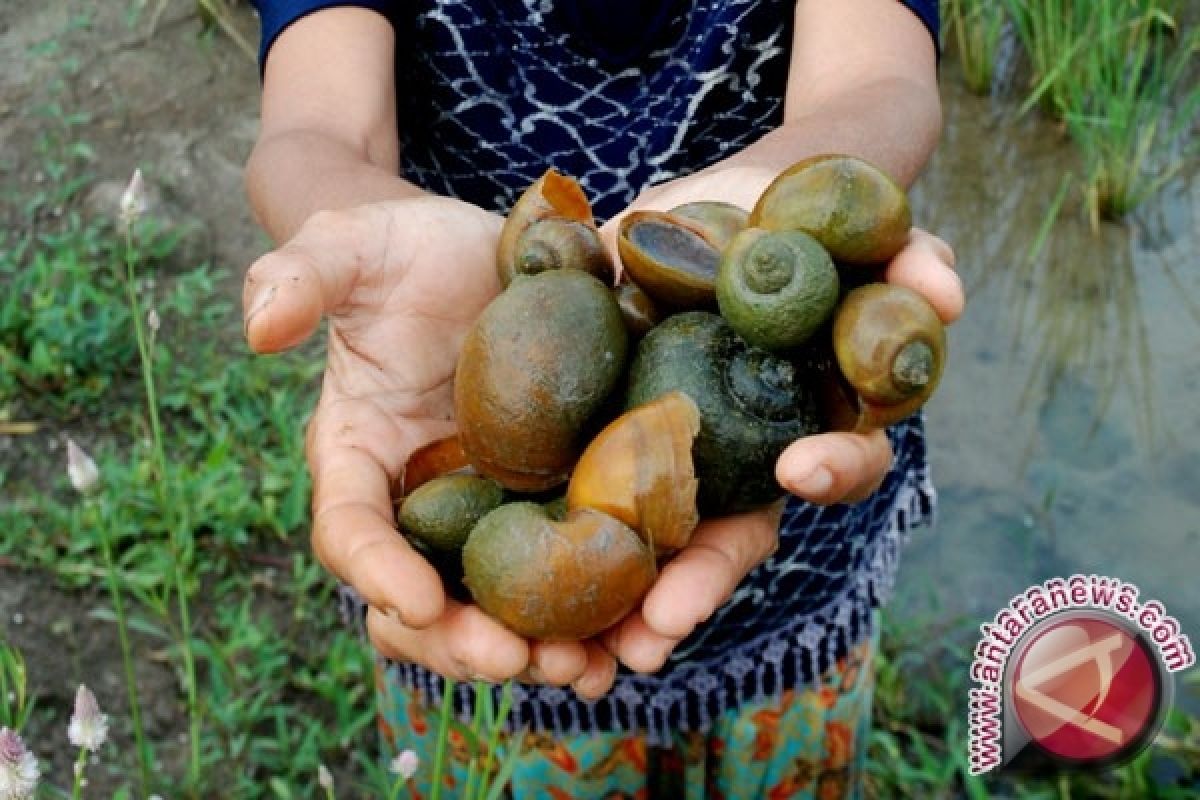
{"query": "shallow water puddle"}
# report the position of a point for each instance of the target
(1066, 435)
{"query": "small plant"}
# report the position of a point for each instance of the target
(19, 771)
(88, 731)
(977, 26)
(15, 702)
(1128, 115)
(1116, 73)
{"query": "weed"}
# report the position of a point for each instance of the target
(1124, 113)
(977, 26)
(1116, 73)
(15, 703)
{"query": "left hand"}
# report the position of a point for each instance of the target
(824, 468)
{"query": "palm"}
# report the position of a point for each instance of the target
(394, 341)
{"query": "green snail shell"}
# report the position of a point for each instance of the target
(776, 288)
(752, 405)
(443, 511)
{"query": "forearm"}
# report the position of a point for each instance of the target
(892, 123)
(294, 173)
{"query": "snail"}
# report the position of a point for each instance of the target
(639, 470)
(776, 288)
(443, 511)
(752, 405)
(534, 369)
(551, 227)
(549, 579)
(673, 255)
(890, 348)
(852, 208)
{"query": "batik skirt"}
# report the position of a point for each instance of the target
(805, 743)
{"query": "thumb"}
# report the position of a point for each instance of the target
(289, 290)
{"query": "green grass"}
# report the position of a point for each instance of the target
(1129, 111)
(1120, 77)
(976, 27)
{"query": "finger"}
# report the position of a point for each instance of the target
(287, 291)
(926, 265)
(556, 663)
(463, 644)
(599, 675)
(355, 538)
(638, 646)
(835, 467)
(702, 576)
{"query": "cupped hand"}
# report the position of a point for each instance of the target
(400, 284)
(824, 468)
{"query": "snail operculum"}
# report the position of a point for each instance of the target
(639, 469)
(673, 256)
(776, 288)
(854, 209)
(890, 348)
(547, 579)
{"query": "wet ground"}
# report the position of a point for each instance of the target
(1066, 435)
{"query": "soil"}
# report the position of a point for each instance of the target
(181, 104)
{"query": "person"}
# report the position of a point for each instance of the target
(394, 136)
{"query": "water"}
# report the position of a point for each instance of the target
(1065, 436)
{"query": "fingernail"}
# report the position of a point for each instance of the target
(817, 482)
(536, 675)
(478, 678)
(263, 300)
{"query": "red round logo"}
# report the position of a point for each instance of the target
(1086, 688)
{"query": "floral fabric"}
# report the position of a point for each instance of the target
(804, 743)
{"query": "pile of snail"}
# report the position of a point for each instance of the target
(666, 398)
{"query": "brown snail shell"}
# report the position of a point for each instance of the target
(639, 469)
(534, 370)
(439, 457)
(854, 209)
(673, 256)
(559, 580)
(551, 227)
(890, 348)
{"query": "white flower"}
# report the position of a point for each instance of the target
(152, 321)
(324, 778)
(89, 727)
(18, 768)
(133, 200)
(405, 764)
(81, 469)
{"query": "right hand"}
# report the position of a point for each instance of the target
(400, 283)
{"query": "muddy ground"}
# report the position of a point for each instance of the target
(181, 104)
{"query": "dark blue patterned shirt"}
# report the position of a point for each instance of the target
(622, 95)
